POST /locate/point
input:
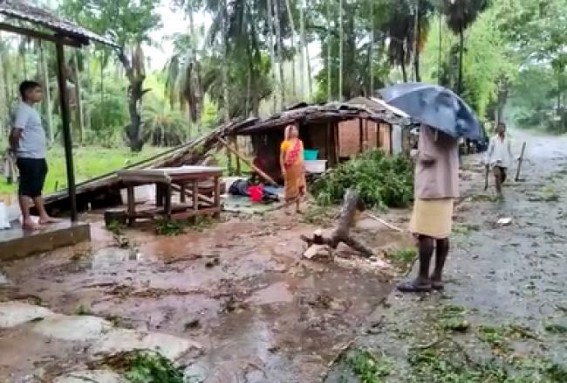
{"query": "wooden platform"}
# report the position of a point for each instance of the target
(16, 243)
(169, 180)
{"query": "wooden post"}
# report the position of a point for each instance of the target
(391, 139)
(328, 141)
(217, 197)
(238, 169)
(131, 201)
(195, 195)
(366, 136)
(168, 203)
(159, 194)
(182, 193)
(67, 139)
(360, 136)
(336, 143)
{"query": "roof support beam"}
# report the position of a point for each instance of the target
(39, 35)
(65, 119)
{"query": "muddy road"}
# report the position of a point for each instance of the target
(503, 315)
(239, 288)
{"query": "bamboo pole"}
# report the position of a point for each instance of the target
(247, 162)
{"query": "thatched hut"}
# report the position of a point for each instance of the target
(336, 130)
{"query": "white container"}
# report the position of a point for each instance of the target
(4, 222)
(315, 166)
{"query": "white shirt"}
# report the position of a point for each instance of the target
(499, 152)
(33, 143)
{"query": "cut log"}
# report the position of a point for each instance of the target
(351, 204)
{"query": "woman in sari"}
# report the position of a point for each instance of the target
(292, 166)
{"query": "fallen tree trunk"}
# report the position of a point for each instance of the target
(351, 204)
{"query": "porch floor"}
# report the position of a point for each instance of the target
(16, 243)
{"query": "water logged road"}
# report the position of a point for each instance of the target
(501, 277)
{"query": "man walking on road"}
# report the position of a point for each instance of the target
(499, 156)
(28, 142)
(436, 187)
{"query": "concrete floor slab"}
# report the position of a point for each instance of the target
(120, 340)
(13, 314)
(4, 281)
(78, 328)
(16, 243)
(99, 376)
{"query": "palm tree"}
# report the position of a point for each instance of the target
(407, 28)
(422, 14)
(400, 28)
(460, 15)
(183, 83)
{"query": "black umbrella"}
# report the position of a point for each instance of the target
(435, 106)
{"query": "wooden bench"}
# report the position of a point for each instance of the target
(168, 181)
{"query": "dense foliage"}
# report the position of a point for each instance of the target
(257, 57)
(382, 180)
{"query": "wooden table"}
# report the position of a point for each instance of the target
(167, 180)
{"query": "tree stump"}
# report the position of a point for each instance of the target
(351, 204)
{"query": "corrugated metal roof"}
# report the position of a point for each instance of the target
(22, 10)
(378, 104)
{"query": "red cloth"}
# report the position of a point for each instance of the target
(256, 192)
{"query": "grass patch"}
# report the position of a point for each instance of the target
(89, 162)
(402, 256)
(554, 328)
(450, 359)
(142, 366)
(173, 228)
(116, 227)
(83, 310)
(318, 215)
(367, 367)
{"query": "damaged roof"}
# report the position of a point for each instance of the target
(332, 112)
(22, 10)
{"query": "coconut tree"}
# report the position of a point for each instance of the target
(401, 32)
(183, 84)
(460, 15)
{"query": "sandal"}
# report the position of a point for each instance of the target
(437, 285)
(414, 287)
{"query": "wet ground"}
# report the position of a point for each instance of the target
(239, 288)
(262, 314)
(503, 315)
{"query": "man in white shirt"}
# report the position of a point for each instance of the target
(499, 156)
(29, 143)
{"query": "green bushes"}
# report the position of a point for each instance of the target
(382, 181)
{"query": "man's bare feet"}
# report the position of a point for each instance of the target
(29, 225)
(47, 220)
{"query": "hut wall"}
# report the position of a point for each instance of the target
(385, 137)
(375, 136)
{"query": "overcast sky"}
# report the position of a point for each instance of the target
(173, 22)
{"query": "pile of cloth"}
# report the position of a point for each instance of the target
(257, 192)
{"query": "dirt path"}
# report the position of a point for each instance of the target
(239, 288)
(503, 315)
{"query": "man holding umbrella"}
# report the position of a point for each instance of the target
(444, 118)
